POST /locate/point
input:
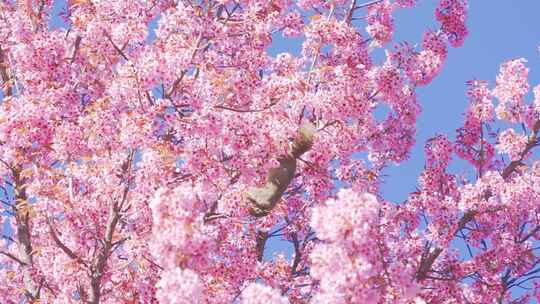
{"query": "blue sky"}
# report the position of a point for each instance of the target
(498, 31)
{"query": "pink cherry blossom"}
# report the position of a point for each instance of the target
(512, 85)
(256, 293)
(452, 14)
(132, 142)
(185, 283)
(512, 143)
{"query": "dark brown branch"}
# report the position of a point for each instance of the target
(184, 72)
(62, 246)
(8, 166)
(119, 50)
(208, 217)
(426, 263)
(175, 84)
(11, 256)
(7, 237)
(533, 232)
(329, 124)
(262, 236)
(153, 263)
(246, 111)
(76, 47)
(120, 242)
(149, 98)
(297, 253)
(350, 12)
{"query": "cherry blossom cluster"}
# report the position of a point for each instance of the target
(127, 151)
(491, 215)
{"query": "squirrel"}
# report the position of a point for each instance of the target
(264, 199)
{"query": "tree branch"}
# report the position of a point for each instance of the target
(11, 256)
(367, 4)
(297, 253)
(531, 143)
(262, 236)
(153, 263)
(22, 218)
(350, 12)
(427, 263)
(4, 74)
(264, 199)
(198, 44)
(100, 259)
(62, 246)
(116, 47)
(247, 111)
(76, 47)
(184, 72)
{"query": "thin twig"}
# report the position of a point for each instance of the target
(350, 12)
(11, 256)
(62, 246)
(116, 47)
(367, 4)
(76, 47)
(248, 110)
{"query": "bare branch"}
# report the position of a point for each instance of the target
(153, 263)
(262, 236)
(11, 256)
(184, 72)
(214, 216)
(426, 263)
(76, 47)
(119, 50)
(62, 246)
(533, 232)
(350, 12)
(246, 111)
(7, 237)
(367, 4)
(297, 253)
